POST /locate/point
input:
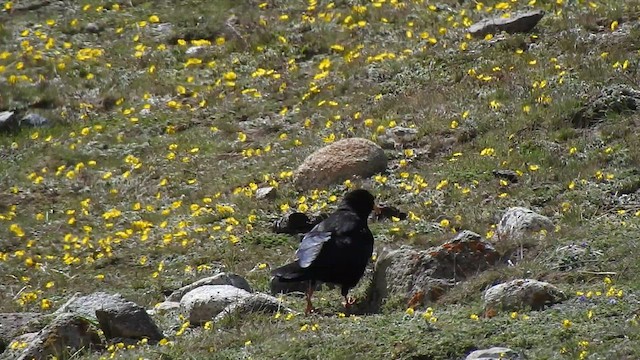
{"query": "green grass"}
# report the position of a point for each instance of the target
(145, 180)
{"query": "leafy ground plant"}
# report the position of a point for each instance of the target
(167, 116)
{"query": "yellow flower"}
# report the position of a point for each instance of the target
(410, 311)
(487, 152)
(614, 25)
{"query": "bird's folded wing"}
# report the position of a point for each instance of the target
(310, 247)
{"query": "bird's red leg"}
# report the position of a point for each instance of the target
(309, 293)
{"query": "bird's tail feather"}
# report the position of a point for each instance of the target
(291, 272)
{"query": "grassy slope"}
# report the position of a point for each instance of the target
(145, 182)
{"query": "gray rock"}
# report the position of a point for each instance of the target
(340, 161)
(494, 353)
(517, 23)
(16, 324)
(92, 28)
(8, 120)
(67, 334)
(522, 294)
(161, 32)
(87, 305)
(34, 120)
(614, 99)
(164, 308)
(268, 192)
(6, 115)
(423, 276)
(218, 279)
(195, 50)
(518, 222)
(128, 321)
(397, 137)
(204, 303)
(253, 303)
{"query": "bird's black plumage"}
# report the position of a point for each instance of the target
(336, 250)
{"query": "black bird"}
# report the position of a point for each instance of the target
(336, 250)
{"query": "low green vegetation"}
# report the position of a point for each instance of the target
(167, 116)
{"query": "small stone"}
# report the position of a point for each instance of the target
(5, 116)
(269, 193)
(397, 137)
(92, 28)
(8, 121)
(34, 120)
(164, 308)
(195, 50)
(517, 23)
(522, 294)
(494, 353)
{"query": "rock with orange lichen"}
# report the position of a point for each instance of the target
(422, 276)
(342, 160)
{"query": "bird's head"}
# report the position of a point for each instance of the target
(361, 202)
